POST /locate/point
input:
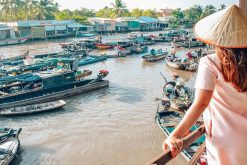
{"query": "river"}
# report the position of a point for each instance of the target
(114, 125)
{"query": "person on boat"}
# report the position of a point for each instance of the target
(153, 52)
(173, 51)
(221, 90)
(189, 55)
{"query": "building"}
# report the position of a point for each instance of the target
(48, 28)
(6, 32)
(132, 23)
(148, 23)
(103, 25)
(166, 14)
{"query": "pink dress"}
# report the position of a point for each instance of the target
(225, 118)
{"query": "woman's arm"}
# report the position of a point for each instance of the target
(202, 100)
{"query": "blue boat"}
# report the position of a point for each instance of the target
(91, 60)
(29, 89)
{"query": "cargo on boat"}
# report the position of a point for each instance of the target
(45, 86)
(34, 108)
(155, 55)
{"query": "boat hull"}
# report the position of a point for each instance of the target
(30, 109)
(41, 96)
(153, 59)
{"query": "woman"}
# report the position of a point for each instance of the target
(221, 90)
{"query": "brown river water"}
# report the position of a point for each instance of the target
(114, 125)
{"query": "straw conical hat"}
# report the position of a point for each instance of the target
(226, 28)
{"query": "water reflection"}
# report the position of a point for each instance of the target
(110, 126)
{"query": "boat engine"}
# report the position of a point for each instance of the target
(102, 74)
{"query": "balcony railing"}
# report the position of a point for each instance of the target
(165, 157)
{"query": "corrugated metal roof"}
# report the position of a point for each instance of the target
(44, 22)
(77, 25)
(127, 19)
(148, 19)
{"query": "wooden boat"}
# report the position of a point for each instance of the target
(13, 41)
(155, 56)
(104, 46)
(138, 49)
(188, 44)
(46, 87)
(34, 108)
(167, 121)
(182, 102)
(175, 63)
(91, 60)
(9, 144)
(115, 55)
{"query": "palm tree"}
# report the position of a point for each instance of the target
(5, 7)
(16, 9)
(119, 7)
(46, 9)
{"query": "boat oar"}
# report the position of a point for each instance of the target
(163, 77)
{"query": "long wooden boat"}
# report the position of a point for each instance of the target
(91, 60)
(167, 121)
(48, 88)
(9, 146)
(13, 41)
(104, 46)
(116, 55)
(154, 58)
(33, 108)
(175, 63)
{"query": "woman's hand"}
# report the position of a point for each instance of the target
(175, 145)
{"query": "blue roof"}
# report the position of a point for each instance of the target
(148, 19)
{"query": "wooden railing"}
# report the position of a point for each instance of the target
(165, 157)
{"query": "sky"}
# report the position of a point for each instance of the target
(143, 4)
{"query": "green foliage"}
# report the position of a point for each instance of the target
(209, 9)
(106, 12)
(178, 15)
(77, 15)
(149, 13)
(119, 8)
(13, 10)
(194, 13)
(137, 12)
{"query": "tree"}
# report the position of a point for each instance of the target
(64, 15)
(5, 8)
(178, 15)
(46, 9)
(209, 9)
(106, 12)
(149, 13)
(119, 8)
(194, 13)
(137, 12)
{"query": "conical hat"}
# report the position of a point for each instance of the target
(226, 28)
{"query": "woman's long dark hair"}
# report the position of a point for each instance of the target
(234, 66)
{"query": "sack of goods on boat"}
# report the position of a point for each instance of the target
(180, 97)
(9, 144)
(155, 55)
(45, 86)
